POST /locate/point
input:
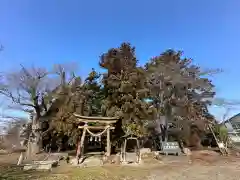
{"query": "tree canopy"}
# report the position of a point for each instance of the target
(178, 90)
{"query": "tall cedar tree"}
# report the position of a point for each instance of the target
(178, 89)
(125, 87)
(82, 98)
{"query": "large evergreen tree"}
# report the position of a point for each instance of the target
(178, 88)
(77, 97)
(125, 87)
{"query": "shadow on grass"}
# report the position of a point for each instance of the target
(14, 172)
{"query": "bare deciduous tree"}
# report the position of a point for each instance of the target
(28, 89)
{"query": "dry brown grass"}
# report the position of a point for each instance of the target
(199, 166)
(10, 171)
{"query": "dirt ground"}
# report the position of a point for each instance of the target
(195, 167)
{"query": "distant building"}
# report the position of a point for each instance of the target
(233, 123)
(233, 127)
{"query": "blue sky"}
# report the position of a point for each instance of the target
(43, 32)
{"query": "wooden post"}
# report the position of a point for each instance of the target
(124, 150)
(78, 149)
(20, 160)
(108, 143)
(29, 149)
(81, 145)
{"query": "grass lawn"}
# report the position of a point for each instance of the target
(102, 173)
(68, 172)
(209, 167)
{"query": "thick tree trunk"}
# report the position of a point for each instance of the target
(36, 145)
(195, 141)
(35, 139)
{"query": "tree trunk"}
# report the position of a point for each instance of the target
(195, 141)
(35, 139)
(36, 146)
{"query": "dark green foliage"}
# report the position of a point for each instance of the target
(174, 82)
(221, 132)
(84, 99)
(179, 90)
(97, 95)
(125, 84)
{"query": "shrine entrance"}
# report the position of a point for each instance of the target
(90, 125)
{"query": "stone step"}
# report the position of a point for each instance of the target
(92, 162)
(131, 157)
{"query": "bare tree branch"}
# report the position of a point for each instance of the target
(62, 69)
(18, 107)
(16, 99)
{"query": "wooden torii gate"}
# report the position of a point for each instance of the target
(106, 126)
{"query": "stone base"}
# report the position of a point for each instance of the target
(125, 163)
(88, 162)
(131, 157)
(2, 151)
(145, 150)
(40, 165)
(74, 161)
(52, 162)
